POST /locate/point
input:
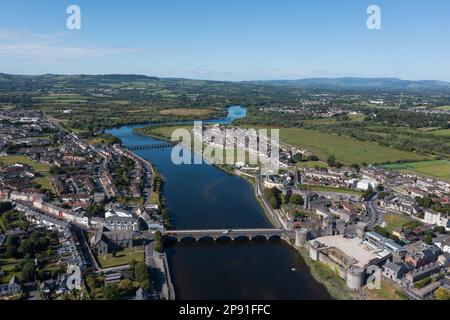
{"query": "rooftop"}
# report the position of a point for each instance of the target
(353, 248)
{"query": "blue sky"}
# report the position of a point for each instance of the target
(228, 40)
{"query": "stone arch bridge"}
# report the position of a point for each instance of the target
(216, 234)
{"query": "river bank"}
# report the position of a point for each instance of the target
(202, 197)
(326, 276)
(321, 273)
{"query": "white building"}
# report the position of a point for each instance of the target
(437, 218)
(365, 184)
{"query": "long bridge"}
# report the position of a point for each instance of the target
(150, 146)
(216, 234)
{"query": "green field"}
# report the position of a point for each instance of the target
(8, 266)
(437, 168)
(162, 132)
(122, 258)
(395, 221)
(444, 108)
(346, 150)
(312, 164)
(387, 292)
(42, 168)
(10, 160)
(440, 133)
(331, 189)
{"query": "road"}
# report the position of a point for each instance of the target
(375, 216)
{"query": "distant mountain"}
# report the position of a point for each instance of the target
(28, 82)
(360, 83)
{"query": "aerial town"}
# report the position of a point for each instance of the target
(66, 202)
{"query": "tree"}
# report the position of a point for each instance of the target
(428, 239)
(273, 196)
(142, 275)
(331, 161)
(126, 286)
(298, 157)
(12, 243)
(440, 230)
(297, 199)
(28, 271)
(442, 294)
(5, 206)
(26, 247)
(96, 210)
(367, 195)
(111, 292)
(90, 283)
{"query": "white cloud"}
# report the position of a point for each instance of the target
(40, 52)
(34, 46)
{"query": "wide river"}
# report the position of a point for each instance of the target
(202, 196)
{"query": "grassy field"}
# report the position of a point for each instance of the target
(122, 258)
(437, 168)
(312, 164)
(440, 133)
(387, 292)
(44, 181)
(164, 132)
(346, 150)
(394, 221)
(444, 108)
(331, 189)
(8, 266)
(186, 112)
(9, 160)
(42, 168)
(325, 275)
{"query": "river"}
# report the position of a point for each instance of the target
(203, 196)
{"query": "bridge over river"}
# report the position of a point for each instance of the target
(216, 234)
(150, 146)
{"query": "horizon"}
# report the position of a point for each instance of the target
(218, 80)
(233, 41)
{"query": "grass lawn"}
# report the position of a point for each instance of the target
(186, 112)
(444, 108)
(42, 168)
(122, 258)
(312, 164)
(9, 160)
(164, 132)
(437, 168)
(156, 198)
(346, 150)
(8, 265)
(331, 189)
(44, 181)
(387, 292)
(440, 133)
(394, 221)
